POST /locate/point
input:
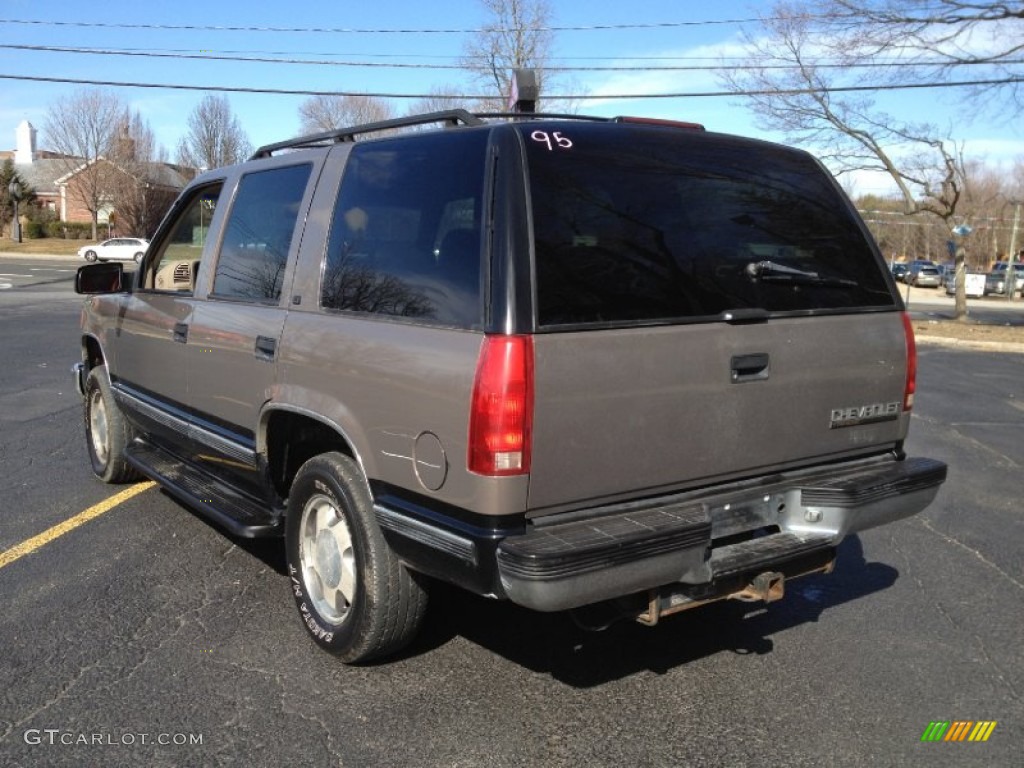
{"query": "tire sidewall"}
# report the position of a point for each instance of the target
(97, 382)
(328, 475)
(90, 256)
(119, 432)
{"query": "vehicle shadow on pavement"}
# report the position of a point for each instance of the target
(554, 644)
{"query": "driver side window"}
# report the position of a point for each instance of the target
(176, 263)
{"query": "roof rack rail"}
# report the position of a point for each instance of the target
(338, 135)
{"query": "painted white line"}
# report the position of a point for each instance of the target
(4, 274)
(5, 286)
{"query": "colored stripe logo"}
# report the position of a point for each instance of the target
(958, 730)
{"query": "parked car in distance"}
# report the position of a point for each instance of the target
(899, 270)
(913, 266)
(974, 284)
(995, 281)
(116, 249)
(924, 276)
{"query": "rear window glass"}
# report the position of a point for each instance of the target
(636, 224)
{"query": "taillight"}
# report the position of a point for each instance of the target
(501, 414)
(911, 385)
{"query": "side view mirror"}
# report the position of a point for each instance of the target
(100, 278)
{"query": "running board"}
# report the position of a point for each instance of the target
(241, 515)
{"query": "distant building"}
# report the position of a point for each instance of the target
(53, 178)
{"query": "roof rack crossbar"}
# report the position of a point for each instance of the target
(338, 135)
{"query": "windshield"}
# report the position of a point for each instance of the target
(635, 224)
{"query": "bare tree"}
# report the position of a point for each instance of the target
(215, 137)
(441, 98)
(325, 113)
(82, 127)
(141, 192)
(519, 36)
(790, 92)
(933, 39)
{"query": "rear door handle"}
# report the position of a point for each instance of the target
(181, 333)
(749, 368)
(266, 348)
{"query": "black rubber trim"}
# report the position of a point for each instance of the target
(438, 513)
(572, 549)
(182, 412)
(875, 485)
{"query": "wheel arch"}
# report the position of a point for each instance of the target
(289, 436)
(92, 353)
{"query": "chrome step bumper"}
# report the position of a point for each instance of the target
(708, 542)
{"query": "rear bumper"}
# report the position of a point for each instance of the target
(707, 542)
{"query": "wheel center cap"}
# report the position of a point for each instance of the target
(328, 559)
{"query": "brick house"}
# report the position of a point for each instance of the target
(55, 179)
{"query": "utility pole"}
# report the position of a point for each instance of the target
(1011, 259)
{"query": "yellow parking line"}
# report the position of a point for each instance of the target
(31, 545)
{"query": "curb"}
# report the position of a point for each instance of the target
(986, 346)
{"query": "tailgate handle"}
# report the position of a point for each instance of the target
(749, 368)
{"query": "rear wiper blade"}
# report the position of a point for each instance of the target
(773, 272)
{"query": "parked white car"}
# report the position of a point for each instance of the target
(116, 249)
(974, 285)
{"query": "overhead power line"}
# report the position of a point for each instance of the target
(580, 97)
(359, 31)
(218, 56)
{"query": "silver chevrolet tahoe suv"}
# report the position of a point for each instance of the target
(620, 367)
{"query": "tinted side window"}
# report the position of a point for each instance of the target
(176, 261)
(636, 224)
(258, 233)
(406, 235)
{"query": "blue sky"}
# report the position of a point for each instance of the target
(269, 118)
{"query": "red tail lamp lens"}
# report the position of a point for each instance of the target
(502, 408)
(911, 386)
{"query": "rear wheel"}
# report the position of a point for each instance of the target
(137, 257)
(354, 596)
(107, 431)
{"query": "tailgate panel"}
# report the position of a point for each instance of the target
(630, 412)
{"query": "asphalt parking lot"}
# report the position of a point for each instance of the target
(145, 636)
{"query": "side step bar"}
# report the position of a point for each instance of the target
(242, 516)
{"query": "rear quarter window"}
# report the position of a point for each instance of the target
(636, 224)
(406, 235)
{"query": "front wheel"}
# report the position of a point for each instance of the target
(108, 433)
(354, 596)
(90, 255)
(137, 258)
